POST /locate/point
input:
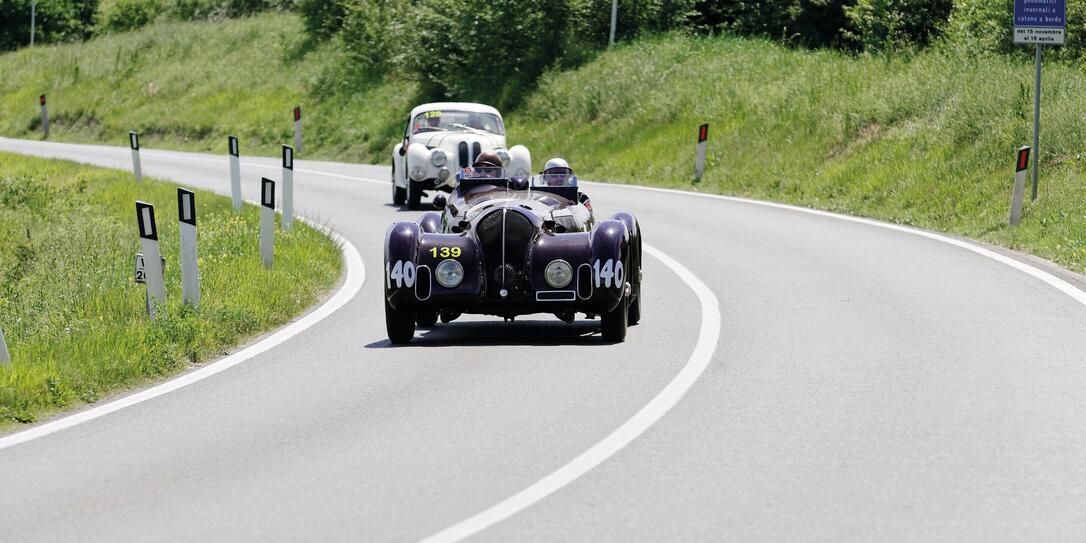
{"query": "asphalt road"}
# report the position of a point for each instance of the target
(861, 383)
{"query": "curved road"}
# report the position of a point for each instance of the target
(867, 383)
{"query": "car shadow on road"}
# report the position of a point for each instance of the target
(537, 333)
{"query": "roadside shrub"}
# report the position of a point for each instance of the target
(191, 10)
(56, 21)
(813, 23)
(124, 15)
(375, 35)
(322, 17)
(879, 25)
(985, 26)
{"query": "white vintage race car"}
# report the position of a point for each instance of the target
(441, 139)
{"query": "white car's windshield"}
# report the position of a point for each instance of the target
(463, 121)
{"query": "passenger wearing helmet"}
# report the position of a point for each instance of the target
(557, 173)
(488, 164)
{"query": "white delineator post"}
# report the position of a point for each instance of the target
(1021, 171)
(44, 117)
(288, 188)
(134, 143)
(267, 221)
(152, 257)
(235, 172)
(298, 128)
(699, 161)
(5, 357)
(190, 271)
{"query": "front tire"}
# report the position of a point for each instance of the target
(634, 313)
(414, 195)
(399, 194)
(400, 324)
(613, 323)
(426, 318)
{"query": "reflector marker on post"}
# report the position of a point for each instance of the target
(190, 272)
(699, 160)
(235, 171)
(152, 261)
(134, 143)
(298, 128)
(44, 117)
(288, 188)
(1019, 189)
(267, 221)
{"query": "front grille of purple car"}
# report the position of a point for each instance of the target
(505, 237)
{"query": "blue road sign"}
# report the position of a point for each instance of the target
(1040, 13)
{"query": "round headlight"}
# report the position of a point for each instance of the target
(438, 158)
(504, 155)
(558, 273)
(449, 273)
(417, 173)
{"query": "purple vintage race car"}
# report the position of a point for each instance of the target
(509, 247)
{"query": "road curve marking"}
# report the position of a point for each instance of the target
(708, 335)
(1037, 273)
(356, 276)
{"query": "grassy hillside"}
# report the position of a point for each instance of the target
(925, 139)
(74, 320)
(188, 85)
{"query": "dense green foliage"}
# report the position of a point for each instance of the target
(56, 21)
(74, 320)
(877, 25)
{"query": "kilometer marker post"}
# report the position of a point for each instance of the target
(190, 271)
(1021, 171)
(267, 221)
(134, 143)
(699, 161)
(235, 171)
(288, 188)
(152, 256)
(298, 128)
(44, 117)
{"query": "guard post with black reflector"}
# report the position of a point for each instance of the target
(152, 256)
(267, 221)
(288, 188)
(1018, 192)
(235, 171)
(44, 117)
(699, 161)
(190, 271)
(134, 143)
(298, 128)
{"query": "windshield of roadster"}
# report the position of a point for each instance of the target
(457, 121)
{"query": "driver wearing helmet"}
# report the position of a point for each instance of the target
(488, 164)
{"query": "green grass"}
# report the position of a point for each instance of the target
(926, 139)
(188, 85)
(74, 320)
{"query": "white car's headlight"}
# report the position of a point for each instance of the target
(417, 173)
(438, 158)
(504, 155)
(449, 273)
(558, 274)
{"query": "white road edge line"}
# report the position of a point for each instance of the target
(708, 335)
(1055, 282)
(356, 276)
